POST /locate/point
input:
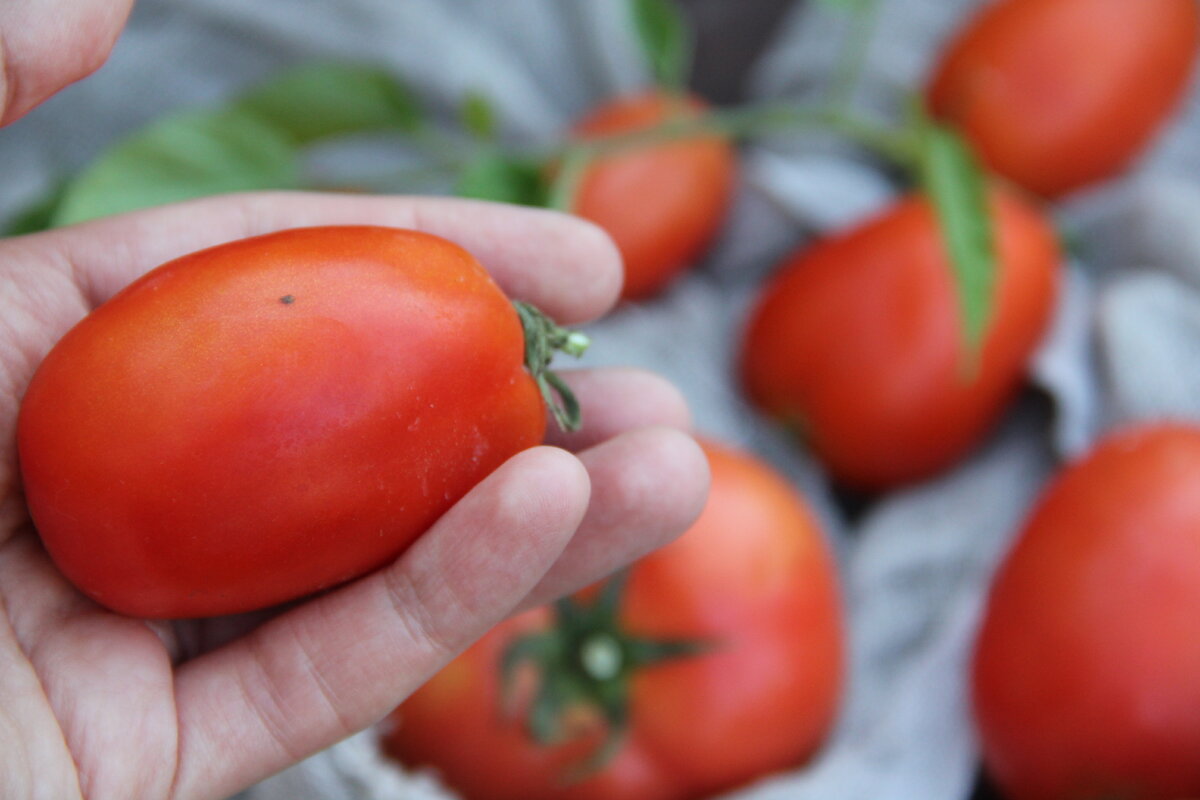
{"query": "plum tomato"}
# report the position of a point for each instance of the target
(270, 417)
(1084, 672)
(857, 342)
(715, 660)
(661, 204)
(1057, 94)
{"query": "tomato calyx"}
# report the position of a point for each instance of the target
(584, 663)
(544, 338)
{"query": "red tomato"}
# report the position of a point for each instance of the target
(660, 204)
(1085, 672)
(858, 342)
(753, 580)
(269, 417)
(1056, 94)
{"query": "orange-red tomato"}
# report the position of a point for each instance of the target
(661, 204)
(754, 580)
(269, 417)
(858, 342)
(1085, 672)
(1056, 94)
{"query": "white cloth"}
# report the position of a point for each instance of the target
(1126, 343)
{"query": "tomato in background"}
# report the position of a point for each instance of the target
(753, 582)
(661, 204)
(1085, 671)
(1057, 94)
(272, 416)
(857, 342)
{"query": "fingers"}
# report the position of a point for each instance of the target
(339, 663)
(564, 265)
(47, 44)
(648, 486)
(617, 399)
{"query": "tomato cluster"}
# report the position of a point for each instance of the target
(721, 657)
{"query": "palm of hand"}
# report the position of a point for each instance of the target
(87, 694)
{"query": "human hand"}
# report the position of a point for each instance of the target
(96, 704)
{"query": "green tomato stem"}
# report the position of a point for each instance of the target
(544, 338)
(586, 659)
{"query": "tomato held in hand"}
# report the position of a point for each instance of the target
(858, 342)
(661, 204)
(1056, 94)
(721, 656)
(1085, 672)
(269, 417)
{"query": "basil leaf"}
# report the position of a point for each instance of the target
(666, 41)
(953, 180)
(323, 100)
(491, 175)
(181, 157)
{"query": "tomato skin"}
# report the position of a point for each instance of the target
(858, 342)
(269, 417)
(755, 578)
(663, 204)
(1084, 674)
(1057, 94)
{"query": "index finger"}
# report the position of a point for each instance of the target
(565, 266)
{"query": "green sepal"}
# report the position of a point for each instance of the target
(544, 338)
(570, 678)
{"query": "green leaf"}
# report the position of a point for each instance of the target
(38, 215)
(322, 100)
(479, 117)
(181, 157)
(953, 180)
(253, 143)
(666, 41)
(492, 175)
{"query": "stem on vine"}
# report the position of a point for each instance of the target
(565, 186)
(765, 118)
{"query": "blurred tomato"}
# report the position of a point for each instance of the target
(1087, 669)
(752, 582)
(858, 342)
(661, 204)
(1056, 94)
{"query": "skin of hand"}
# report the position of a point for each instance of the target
(97, 705)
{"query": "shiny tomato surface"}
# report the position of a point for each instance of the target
(753, 581)
(1085, 669)
(661, 204)
(1057, 94)
(857, 342)
(270, 417)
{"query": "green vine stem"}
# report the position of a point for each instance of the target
(765, 118)
(544, 338)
